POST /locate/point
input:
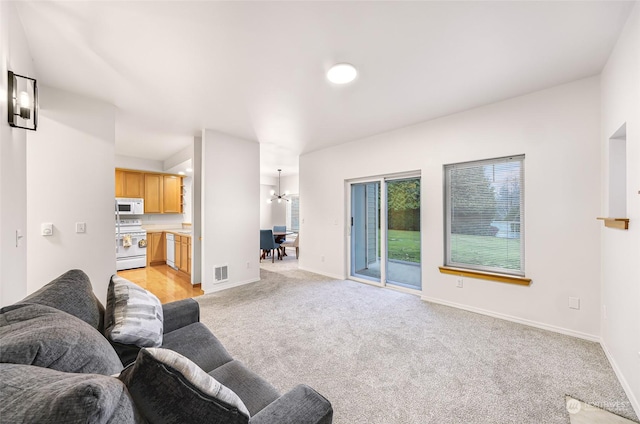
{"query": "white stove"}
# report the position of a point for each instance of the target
(131, 244)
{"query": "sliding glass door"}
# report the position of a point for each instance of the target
(365, 230)
(385, 232)
(403, 233)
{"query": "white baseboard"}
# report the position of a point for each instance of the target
(225, 286)
(336, 277)
(511, 318)
(623, 381)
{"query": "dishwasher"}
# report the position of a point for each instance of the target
(171, 251)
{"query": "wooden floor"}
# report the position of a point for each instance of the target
(166, 283)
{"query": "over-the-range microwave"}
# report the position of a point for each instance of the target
(129, 206)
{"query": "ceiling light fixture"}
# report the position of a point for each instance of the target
(180, 172)
(279, 197)
(189, 169)
(342, 73)
(22, 101)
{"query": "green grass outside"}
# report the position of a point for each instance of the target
(404, 245)
(485, 251)
(467, 249)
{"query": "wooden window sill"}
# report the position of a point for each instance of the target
(620, 223)
(483, 275)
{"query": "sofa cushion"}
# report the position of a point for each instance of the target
(169, 388)
(46, 337)
(133, 314)
(33, 394)
(72, 293)
(189, 342)
(254, 391)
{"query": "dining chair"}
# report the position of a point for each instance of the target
(280, 229)
(291, 243)
(268, 244)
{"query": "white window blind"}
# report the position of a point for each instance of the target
(484, 215)
(293, 214)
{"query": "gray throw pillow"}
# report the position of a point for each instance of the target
(133, 315)
(46, 337)
(36, 395)
(169, 388)
(72, 293)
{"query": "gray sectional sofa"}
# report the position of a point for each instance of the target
(56, 366)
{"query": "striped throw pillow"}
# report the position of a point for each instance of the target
(133, 315)
(169, 388)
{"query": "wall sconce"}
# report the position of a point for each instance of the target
(22, 102)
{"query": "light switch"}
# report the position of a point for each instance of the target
(81, 227)
(46, 229)
(574, 302)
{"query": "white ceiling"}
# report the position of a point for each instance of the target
(257, 69)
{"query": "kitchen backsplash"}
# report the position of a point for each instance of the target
(164, 220)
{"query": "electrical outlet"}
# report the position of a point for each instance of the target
(81, 227)
(574, 302)
(459, 283)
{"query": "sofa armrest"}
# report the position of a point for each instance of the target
(180, 313)
(300, 405)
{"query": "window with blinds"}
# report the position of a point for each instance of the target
(484, 215)
(293, 214)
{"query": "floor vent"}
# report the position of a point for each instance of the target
(221, 273)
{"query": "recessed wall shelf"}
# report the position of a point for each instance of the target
(620, 223)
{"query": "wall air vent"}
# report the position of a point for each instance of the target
(221, 273)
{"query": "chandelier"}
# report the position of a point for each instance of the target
(280, 196)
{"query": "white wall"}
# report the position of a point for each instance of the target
(620, 96)
(70, 178)
(275, 213)
(129, 162)
(230, 209)
(291, 184)
(187, 199)
(182, 157)
(14, 56)
(266, 216)
(558, 131)
(197, 212)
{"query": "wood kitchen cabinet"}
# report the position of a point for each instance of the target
(153, 193)
(184, 254)
(156, 250)
(162, 193)
(189, 258)
(172, 194)
(129, 183)
(182, 248)
(177, 252)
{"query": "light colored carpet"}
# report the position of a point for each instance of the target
(381, 356)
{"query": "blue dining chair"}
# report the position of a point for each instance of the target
(268, 244)
(280, 229)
